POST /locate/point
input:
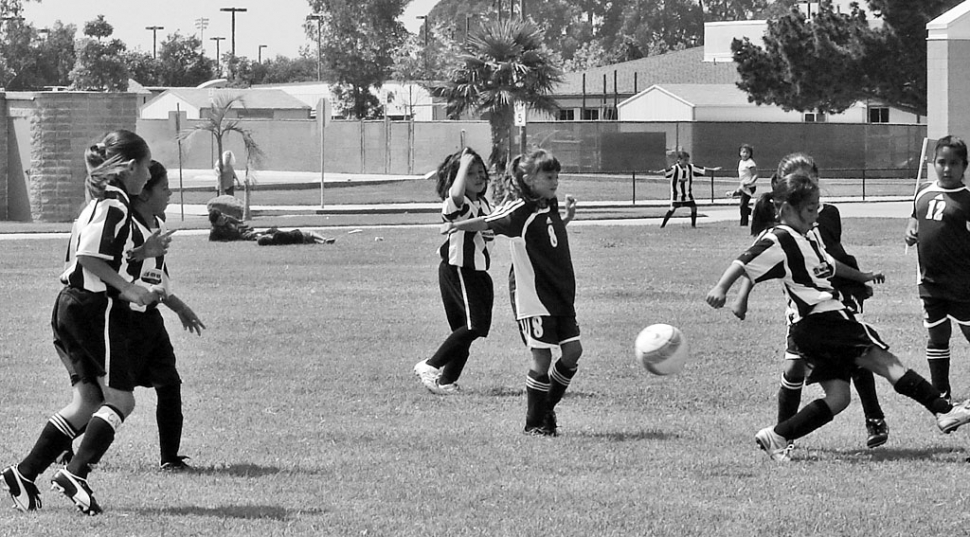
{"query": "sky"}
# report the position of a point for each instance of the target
(274, 23)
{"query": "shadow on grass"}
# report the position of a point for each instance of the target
(244, 512)
(505, 391)
(866, 456)
(239, 470)
(630, 436)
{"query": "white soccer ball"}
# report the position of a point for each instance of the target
(662, 349)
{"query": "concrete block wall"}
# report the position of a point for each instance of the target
(62, 126)
(4, 159)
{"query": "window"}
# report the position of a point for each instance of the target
(878, 114)
(814, 117)
(591, 114)
(610, 114)
(567, 114)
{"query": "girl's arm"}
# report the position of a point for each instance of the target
(190, 321)
(135, 294)
(155, 245)
(912, 232)
(457, 190)
(717, 296)
(849, 273)
(570, 209)
(472, 224)
(740, 306)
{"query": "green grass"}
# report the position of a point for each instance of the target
(303, 416)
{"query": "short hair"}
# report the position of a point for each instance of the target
(957, 145)
(448, 171)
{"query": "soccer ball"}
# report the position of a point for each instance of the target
(662, 349)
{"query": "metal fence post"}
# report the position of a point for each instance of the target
(634, 187)
(863, 184)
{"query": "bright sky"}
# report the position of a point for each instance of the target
(275, 23)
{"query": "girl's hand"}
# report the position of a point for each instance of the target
(716, 297)
(138, 295)
(875, 277)
(740, 307)
(570, 207)
(466, 158)
(156, 245)
(447, 228)
(190, 321)
(910, 237)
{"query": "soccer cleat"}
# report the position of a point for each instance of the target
(76, 489)
(445, 389)
(537, 430)
(957, 416)
(428, 375)
(550, 424)
(878, 432)
(773, 444)
(176, 465)
(24, 492)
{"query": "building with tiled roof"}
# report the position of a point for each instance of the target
(254, 103)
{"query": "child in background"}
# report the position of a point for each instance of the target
(227, 174)
(681, 176)
(830, 337)
(466, 288)
(543, 283)
(91, 327)
(851, 293)
(149, 344)
(939, 228)
(747, 177)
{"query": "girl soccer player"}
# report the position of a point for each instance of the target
(153, 358)
(90, 327)
(938, 228)
(681, 176)
(830, 337)
(466, 287)
(542, 281)
(851, 293)
(747, 177)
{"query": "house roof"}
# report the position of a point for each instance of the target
(680, 67)
(703, 94)
(252, 98)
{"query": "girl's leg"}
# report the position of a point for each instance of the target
(101, 429)
(790, 392)
(452, 355)
(563, 371)
(818, 412)
(168, 416)
(693, 216)
(865, 386)
(745, 208)
(61, 429)
(905, 381)
(938, 355)
(670, 212)
(537, 391)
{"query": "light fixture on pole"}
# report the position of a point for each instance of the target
(319, 18)
(202, 23)
(234, 10)
(154, 30)
(259, 53)
(218, 58)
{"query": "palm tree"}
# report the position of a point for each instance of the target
(504, 63)
(218, 126)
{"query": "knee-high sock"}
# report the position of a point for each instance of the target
(865, 386)
(98, 437)
(453, 354)
(939, 362)
(559, 377)
(811, 417)
(54, 439)
(693, 217)
(168, 416)
(667, 217)
(789, 396)
(917, 388)
(537, 399)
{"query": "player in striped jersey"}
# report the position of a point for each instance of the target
(940, 230)
(466, 287)
(681, 177)
(542, 281)
(829, 336)
(153, 357)
(90, 323)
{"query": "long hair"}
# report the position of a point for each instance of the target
(108, 159)
(763, 214)
(523, 169)
(794, 189)
(750, 149)
(448, 171)
(797, 162)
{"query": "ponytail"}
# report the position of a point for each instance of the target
(108, 159)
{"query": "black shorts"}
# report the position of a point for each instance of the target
(467, 295)
(90, 332)
(936, 310)
(830, 342)
(548, 331)
(683, 203)
(152, 355)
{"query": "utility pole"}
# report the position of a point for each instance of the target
(319, 18)
(154, 30)
(234, 10)
(259, 54)
(427, 28)
(218, 57)
(202, 23)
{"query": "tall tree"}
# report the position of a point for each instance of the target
(359, 39)
(100, 64)
(504, 63)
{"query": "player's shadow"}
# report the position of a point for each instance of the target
(505, 391)
(245, 470)
(629, 436)
(243, 512)
(867, 456)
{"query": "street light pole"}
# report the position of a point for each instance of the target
(319, 18)
(427, 27)
(218, 58)
(234, 10)
(202, 23)
(154, 30)
(259, 54)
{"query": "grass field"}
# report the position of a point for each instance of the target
(303, 417)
